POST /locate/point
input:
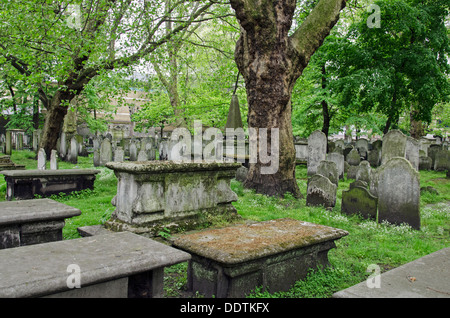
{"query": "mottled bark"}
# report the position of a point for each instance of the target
(271, 61)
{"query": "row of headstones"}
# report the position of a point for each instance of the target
(143, 149)
(42, 160)
(19, 140)
(375, 193)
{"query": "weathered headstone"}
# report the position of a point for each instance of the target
(41, 159)
(359, 183)
(321, 192)
(317, 150)
(142, 156)
(432, 150)
(329, 169)
(362, 145)
(96, 158)
(105, 152)
(8, 143)
(351, 171)
(353, 157)
(119, 154)
(72, 155)
(338, 159)
(364, 171)
(54, 160)
(133, 151)
(374, 157)
(425, 163)
(398, 192)
(394, 145)
(241, 174)
(442, 160)
(412, 151)
(358, 200)
(63, 146)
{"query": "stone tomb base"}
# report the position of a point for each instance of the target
(231, 262)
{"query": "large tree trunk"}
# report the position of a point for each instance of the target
(271, 61)
(54, 118)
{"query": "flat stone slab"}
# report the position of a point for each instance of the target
(40, 270)
(231, 262)
(25, 211)
(25, 184)
(244, 242)
(27, 222)
(426, 277)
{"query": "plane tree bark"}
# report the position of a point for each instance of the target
(271, 60)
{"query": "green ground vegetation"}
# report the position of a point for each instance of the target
(368, 242)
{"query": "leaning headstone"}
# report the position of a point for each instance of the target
(164, 149)
(105, 152)
(394, 145)
(364, 171)
(398, 193)
(328, 169)
(358, 200)
(321, 192)
(338, 159)
(412, 151)
(41, 159)
(442, 160)
(353, 157)
(317, 150)
(54, 160)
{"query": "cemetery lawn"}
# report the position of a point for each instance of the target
(384, 245)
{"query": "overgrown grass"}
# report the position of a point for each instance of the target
(384, 244)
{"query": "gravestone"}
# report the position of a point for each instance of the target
(163, 149)
(364, 171)
(394, 145)
(119, 154)
(359, 183)
(432, 150)
(442, 160)
(425, 163)
(329, 169)
(8, 143)
(358, 200)
(105, 152)
(142, 156)
(321, 192)
(398, 189)
(54, 160)
(41, 159)
(352, 171)
(133, 151)
(241, 174)
(374, 157)
(317, 149)
(63, 146)
(362, 145)
(96, 158)
(72, 155)
(338, 159)
(412, 151)
(353, 157)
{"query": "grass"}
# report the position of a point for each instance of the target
(385, 245)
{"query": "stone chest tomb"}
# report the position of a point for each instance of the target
(153, 195)
(232, 261)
